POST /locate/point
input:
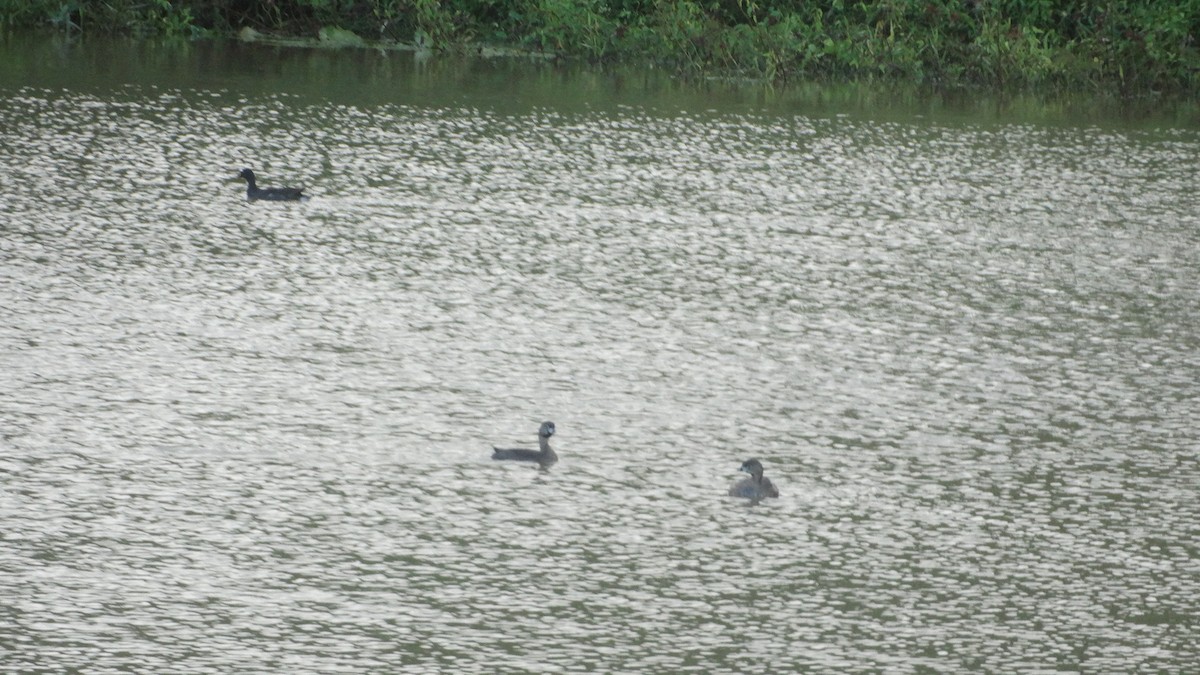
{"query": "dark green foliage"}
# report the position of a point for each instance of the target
(1136, 45)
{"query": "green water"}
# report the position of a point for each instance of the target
(374, 77)
(960, 334)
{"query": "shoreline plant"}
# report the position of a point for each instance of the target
(1134, 46)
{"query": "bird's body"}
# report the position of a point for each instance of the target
(254, 193)
(755, 487)
(544, 455)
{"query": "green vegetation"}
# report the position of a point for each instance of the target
(1136, 45)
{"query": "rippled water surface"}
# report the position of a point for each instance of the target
(256, 437)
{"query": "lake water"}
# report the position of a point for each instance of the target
(962, 335)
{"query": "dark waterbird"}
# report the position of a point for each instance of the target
(756, 487)
(253, 192)
(544, 456)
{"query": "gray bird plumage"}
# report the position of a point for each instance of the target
(755, 487)
(544, 455)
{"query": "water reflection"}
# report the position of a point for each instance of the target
(370, 77)
(257, 436)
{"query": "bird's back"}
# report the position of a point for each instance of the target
(276, 194)
(524, 455)
(748, 488)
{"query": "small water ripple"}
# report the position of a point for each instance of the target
(255, 437)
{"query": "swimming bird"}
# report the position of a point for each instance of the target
(544, 456)
(755, 487)
(253, 192)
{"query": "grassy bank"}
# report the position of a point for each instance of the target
(1129, 45)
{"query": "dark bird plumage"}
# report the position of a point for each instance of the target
(253, 192)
